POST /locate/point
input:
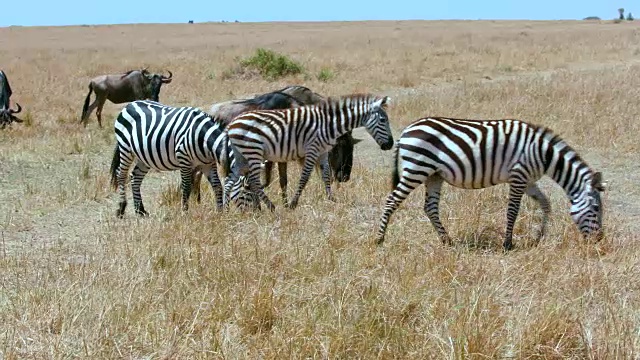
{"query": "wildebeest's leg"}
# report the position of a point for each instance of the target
(534, 192)
(137, 175)
(101, 101)
(310, 160)
(325, 169)
(100, 98)
(195, 186)
(282, 175)
(268, 168)
(186, 175)
(431, 203)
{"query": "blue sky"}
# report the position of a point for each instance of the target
(75, 12)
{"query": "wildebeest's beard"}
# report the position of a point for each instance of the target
(341, 157)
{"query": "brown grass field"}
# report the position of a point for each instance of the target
(75, 282)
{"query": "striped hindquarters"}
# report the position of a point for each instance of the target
(160, 135)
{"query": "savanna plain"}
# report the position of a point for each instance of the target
(75, 282)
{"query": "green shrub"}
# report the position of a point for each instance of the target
(325, 75)
(271, 65)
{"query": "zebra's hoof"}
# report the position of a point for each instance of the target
(380, 240)
(508, 246)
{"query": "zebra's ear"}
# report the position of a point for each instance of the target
(382, 102)
(597, 182)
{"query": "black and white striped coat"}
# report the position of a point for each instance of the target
(307, 132)
(151, 135)
(474, 154)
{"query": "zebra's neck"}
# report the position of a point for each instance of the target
(344, 115)
(566, 167)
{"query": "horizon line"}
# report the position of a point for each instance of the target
(299, 21)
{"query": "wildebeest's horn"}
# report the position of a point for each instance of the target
(16, 111)
(167, 79)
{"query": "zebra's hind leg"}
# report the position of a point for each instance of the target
(404, 187)
(534, 192)
(282, 174)
(433, 185)
(121, 180)
(516, 191)
(138, 174)
(186, 176)
(309, 164)
(216, 185)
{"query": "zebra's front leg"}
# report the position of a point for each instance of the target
(186, 175)
(138, 174)
(255, 186)
(325, 172)
(282, 174)
(433, 186)
(534, 192)
(309, 164)
(516, 191)
(216, 185)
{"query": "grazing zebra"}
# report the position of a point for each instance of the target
(307, 132)
(474, 154)
(165, 138)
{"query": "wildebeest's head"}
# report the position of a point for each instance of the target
(341, 157)
(155, 81)
(7, 116)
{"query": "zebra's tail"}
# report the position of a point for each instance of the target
(86, 103)
(115, 164)
(395, 175)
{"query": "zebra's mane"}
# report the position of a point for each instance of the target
(339, 101)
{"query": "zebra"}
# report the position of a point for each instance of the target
(307, 133)
(165, 138)
(474, 154)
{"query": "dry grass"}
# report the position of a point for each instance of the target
(76, 282)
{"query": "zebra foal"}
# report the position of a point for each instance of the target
(304, 133)
(474, 154)
(165, 138)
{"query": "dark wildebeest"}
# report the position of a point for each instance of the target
(6, 112)
(130, 86)
(340, 157)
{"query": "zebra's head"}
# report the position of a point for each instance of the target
(377, 124)
(236, 191)
(586, 208)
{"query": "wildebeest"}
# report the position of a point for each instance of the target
(6, 112)
(130, 86)
(340, 157)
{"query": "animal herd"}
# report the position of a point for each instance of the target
(238, 141)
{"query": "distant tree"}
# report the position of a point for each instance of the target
(629, 16)
(591, 18)
(621, 11)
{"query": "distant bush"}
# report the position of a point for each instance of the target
(591, 18)
(271, 65)
(629, 17)
(325, 75)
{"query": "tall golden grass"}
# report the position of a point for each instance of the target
(78, 283)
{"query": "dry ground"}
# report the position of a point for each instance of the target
(78, 283)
